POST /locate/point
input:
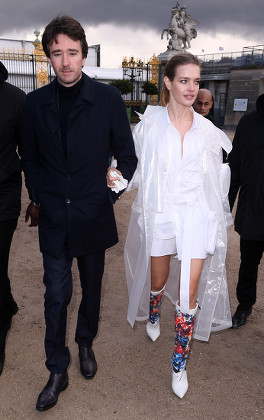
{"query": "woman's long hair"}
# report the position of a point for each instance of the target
(177, 60)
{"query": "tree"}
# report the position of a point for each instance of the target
(124, 86)
(150, 88)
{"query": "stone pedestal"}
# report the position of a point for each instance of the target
(165, 56)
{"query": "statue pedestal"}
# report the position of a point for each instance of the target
(165, 56)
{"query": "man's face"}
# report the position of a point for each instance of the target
(66, 60)
(203, 103)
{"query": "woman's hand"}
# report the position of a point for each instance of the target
(110, 179)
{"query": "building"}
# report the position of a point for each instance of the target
(235, 79)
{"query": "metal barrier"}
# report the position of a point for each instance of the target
(223, 62)
(27, 71)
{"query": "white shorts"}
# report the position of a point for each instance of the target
(161, 247)
(168, 235)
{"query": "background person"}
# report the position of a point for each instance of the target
(70, 127)
(11, 117)
(178, 211)
(247, 174)
(203, 104)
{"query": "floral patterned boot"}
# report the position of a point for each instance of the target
(184, 324)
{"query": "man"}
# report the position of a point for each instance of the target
(11, 116)
(70, 128)
(247, 174)
(203, 104)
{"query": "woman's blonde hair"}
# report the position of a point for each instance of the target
(177, 60)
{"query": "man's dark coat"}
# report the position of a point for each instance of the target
(75, 203)
(12, 102)
(247, 174)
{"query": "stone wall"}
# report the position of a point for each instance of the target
(246, 83)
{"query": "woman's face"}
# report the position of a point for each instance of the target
(185, 85)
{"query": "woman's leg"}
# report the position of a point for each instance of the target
(196, 269)
(184, 325)
(160, 267)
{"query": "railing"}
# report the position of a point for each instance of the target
(23, 69)
(223, 62)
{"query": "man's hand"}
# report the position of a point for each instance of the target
(32, 212)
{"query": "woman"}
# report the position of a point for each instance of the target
(176, 242)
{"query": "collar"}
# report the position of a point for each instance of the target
(87, 91)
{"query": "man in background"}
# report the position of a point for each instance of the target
(246, 162)
(11, 116)
(204, 104)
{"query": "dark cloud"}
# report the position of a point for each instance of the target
(236, 17)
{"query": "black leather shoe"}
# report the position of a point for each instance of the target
(240, 318)
(2, 361)
(49, 396)
(88, 364)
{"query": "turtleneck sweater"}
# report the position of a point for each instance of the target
(67, 98)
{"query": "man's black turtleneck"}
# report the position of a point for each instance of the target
(67, 97)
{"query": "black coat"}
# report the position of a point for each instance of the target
(11, 117)
(75, 202)
(247, 174)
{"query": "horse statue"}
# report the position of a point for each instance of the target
(181, 29)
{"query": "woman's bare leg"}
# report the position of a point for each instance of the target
(196, 269)
(160, 267)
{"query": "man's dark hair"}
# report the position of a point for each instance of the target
(64, 25)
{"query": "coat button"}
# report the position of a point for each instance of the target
(68, 200)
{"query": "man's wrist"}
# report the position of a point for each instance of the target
(35, 204)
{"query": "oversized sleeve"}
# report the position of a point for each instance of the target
(138, 141)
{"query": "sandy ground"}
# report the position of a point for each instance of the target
(134, 378)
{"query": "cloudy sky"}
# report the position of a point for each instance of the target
(133, 27)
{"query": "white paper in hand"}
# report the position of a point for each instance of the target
(120, 184)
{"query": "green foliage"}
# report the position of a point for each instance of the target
(124, 86)
(150, 88)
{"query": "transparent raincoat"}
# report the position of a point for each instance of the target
(149, 178)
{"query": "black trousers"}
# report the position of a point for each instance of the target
(251, 253)
(8, 306)
(58, 283)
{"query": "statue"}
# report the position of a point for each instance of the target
(181, 29)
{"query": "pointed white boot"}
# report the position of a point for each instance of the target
(153, 330)
(153, 326)
(180, 383)
(184, 324)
